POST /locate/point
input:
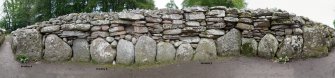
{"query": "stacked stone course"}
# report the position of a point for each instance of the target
(193, 33)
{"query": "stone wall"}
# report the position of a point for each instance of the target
(194, 33)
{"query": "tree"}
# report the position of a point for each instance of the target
(229, 3)
(20, 13)
(171, 4)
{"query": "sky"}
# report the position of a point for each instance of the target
(318, 10)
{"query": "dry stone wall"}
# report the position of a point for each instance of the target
(194, 33)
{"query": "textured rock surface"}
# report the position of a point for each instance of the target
(81, 51)
(101, 51)
(145, 50)
(184, 52)
(56, 49)
(165, 52)
(206, 50)
(125, 52)
(249, 46)
(314, 45)
(291, 47)
(268, 46)
(230, 43)
(28, 42)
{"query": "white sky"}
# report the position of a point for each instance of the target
(318, 10)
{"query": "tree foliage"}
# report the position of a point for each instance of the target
(20, 13)
(229, 3)
(171, 4)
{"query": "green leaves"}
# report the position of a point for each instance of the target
(228, 3)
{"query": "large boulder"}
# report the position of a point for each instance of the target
(28, 42)
(315, 42)
(81, 51)
(56, 49)
(268, 46)
(230, 43)
(145, 50)
(165, 52)
(290, 47)
(101, 51)
(125, 52)
(249, 46)
(206, 50)
(184, 52)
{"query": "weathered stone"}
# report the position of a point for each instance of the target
(205, 50)
(96, 28)
(245, 20)
(249, 46)
(99, 34)
(116, 29)
(214, 19)
(268, 46)
(214, 32)
(153, 19)
(117, 33)
(276, 27)
(172, 16)
(172, 31)
(230, 43)
(291, 47)
(81, 51)
(125, 52)
(100, 22)
(141, 29)
(145, 50)
(262, 24)
(130, 16)
(231, 19)
(105, 28)
(315, 44)
(177, 22)
(110, 39)
(217, 25)
(288, 31)
(297, 31)
(218, 8)
(170, 11)
(244, 26)
(184, 52)
(50, 29)
(195, 9)
(78, 34)
(195, 16)
(56, 49)
(217, 13)
(101, 51)
(246, 15)
(190, 39)
(192, 23)
(27, 42)
(114, 43)
(165, 52)
(128, 37)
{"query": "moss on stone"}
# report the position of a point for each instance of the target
(247, 49)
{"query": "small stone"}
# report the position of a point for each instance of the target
(217, 13)
(50, 29)
(297, 31)
(262, 24)
(116, 29)
(118, 33)
(231, 19)
(177, 22)
(172, 31)
(214, 32)
(110, 39)
(78, 34)
(245, 20)
(128, 37)
(114, 44)
(99, 34)
(141, 29)
(190, 39)
(195, 16)
(104, 28)
(192, 23)
(130, 16)
(288, 31)
(96, 28)
(100, 22)
(172, 16)
(244, 26)
(134, 40)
